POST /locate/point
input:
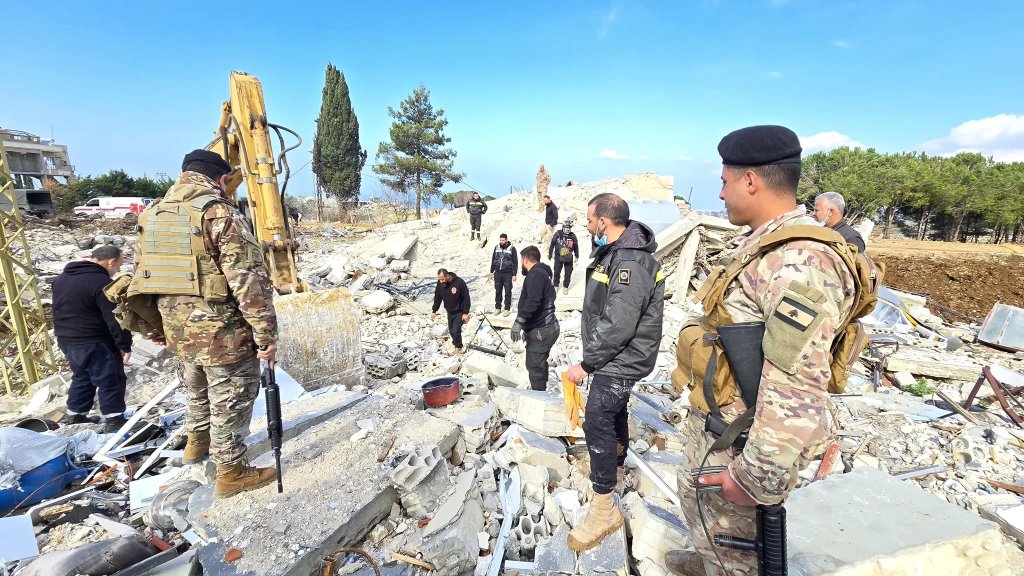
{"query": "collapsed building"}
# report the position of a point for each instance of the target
(37, 165)
(924, 475)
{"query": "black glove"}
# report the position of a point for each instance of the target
(517, 330)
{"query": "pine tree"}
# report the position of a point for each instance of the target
(415, 159)
(337, 155)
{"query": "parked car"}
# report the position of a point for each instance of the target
(113, 206)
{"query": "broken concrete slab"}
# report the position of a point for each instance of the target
(297, 417)
(934, 364)
(378, 302)
(654, 531)
(684, 268)
(498, 371)
(476, 421)
(554, 555)
(455, 548)
(535, 410)
(399, 247)
(1010, 518)
(526, 447)
(665, 464)
(421, 479)
(608, 557)
(644, 414)
(845, 525)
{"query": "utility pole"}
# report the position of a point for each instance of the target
(26, 355)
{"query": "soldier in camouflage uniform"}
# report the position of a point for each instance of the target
(761, 168)
(219, 322)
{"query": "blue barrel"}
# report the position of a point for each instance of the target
(42, 482)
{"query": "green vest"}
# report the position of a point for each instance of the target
(173, 259)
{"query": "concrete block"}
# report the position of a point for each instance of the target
(421, 479)
(339, 272)
(846, 525)
(498, 372)
(665, 465)
(449, 510)
(381, 367)
(525, 447)
(377, 263)
(455, 548)
(399, 266)
(654, 532)
(362, 283)
(608, 557)
(643, 414)
(476, 421)
(400, 246)
(378, 302)
(554, 555)
(529, 529)
(936, 364)
(535, 410)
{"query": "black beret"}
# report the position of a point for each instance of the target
(760, 145)
(205, 156)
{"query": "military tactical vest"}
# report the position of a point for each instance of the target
(694, 351)
(174, 260)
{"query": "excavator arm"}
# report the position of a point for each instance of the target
(243, 139)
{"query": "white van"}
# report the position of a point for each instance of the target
(113, 206)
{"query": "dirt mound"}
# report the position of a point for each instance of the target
(969, 283)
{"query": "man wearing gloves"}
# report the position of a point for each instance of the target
(536, 321)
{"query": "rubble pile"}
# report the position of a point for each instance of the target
(493, 482)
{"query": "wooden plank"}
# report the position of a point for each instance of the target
(956, 407)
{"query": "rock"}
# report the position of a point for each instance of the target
(399, 266)
(378, 301)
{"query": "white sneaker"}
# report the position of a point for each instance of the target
(505, 313)
(565, 291)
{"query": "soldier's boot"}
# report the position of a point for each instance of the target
(685, 563)
(240, 477)
(197, 447)
(603, 519)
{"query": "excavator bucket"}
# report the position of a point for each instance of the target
(319, 343)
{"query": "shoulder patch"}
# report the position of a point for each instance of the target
(790, 329)
(795, 314)
(624, 276)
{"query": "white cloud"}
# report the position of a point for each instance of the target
(827, 141)
(840, 43)
(612, 155)
(1000, 136)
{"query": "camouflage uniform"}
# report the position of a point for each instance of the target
(216, 341)
(791, 423)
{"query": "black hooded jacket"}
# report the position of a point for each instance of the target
(537, 300)
(551, 214)
(82, 314)
(454, 294)
(623, 306)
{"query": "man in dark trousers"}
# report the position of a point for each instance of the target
(621, 333)
(91, 339)
(565, 251)
(476, 208)
(452, 291)
(503, 272)
(550, 221)
(536, 320)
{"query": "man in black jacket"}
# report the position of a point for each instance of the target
(830, 210)
(550, 221)
(622, 317)
(476, 208)
(91, 339)
(503, 272)
(452, 291)
(536, 317)
(564, 250)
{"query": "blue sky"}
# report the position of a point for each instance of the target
(590, 89)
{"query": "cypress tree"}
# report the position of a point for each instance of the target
(337, 156)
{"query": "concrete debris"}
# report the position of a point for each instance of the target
(493, 482)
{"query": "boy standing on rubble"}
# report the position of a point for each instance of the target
(453, 292)
(622, 321)
(206, 269)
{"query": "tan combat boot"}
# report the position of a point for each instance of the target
(240, 477)
(685, 563)
(197, 448)
(602, 519)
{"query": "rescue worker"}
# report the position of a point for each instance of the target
(536, 320)
(215, 298)
(803, 292)
(550, 221)
(622, 318)
(91, 339)
(565, 251)
(503, 272)
(476, 208)
(830, 210)
(452, 291)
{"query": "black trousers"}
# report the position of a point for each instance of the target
(606, 426)
(474, 222)
(503, 282)
(95, 366)
(558, 271)
(455, 328)
(538, 347)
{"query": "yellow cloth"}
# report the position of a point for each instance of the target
(573, 401)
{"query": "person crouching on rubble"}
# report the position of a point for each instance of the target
(622, 321)
(214, 294)
(536, 321)
(453, 292)
(96, 347)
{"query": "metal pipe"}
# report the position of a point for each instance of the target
(650, 473)
(670, 416)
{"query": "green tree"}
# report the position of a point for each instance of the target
(416, 160)
(338, 158)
